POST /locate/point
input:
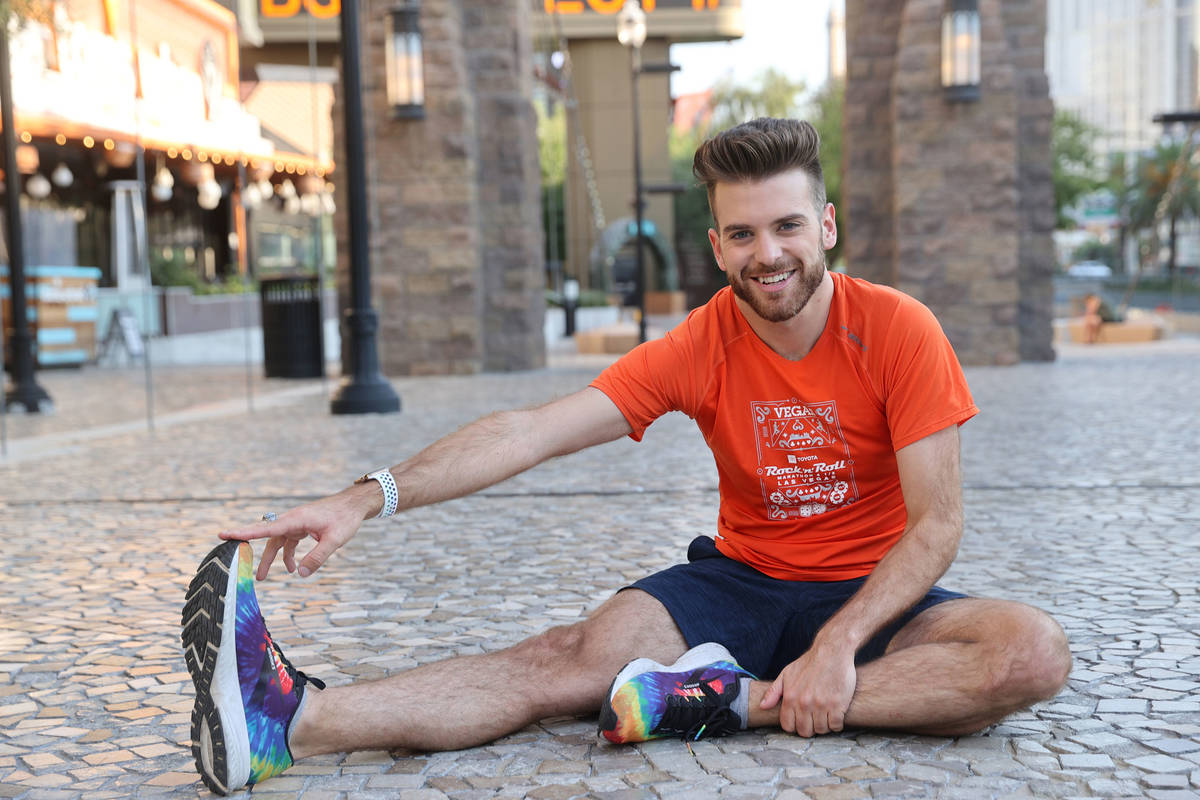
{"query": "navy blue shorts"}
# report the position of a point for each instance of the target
(765, 622)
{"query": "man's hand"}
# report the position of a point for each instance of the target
(332, 521)
(814, 692)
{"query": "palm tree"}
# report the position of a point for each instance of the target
(1167, 186)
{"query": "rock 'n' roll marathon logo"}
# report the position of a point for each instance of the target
(804, 465)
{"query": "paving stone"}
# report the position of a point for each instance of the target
(1161, 763)
(91, 674)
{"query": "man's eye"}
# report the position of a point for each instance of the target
(739, 235)
(788, 226)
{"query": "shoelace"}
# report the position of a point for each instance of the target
(298, 677)
(693, 717)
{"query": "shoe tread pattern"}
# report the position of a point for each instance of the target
(202, 619)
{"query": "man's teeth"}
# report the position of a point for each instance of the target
(774, 278)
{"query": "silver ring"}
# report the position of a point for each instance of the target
(269, 516)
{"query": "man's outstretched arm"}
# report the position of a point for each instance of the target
(475, 457)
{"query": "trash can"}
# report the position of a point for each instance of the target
(293, 339)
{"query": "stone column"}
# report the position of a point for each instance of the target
(946, 201)
(510, 223)
(455, 230)
(1025, 21)
(865, 218)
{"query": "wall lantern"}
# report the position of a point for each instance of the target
(960, 51)
(405, 65)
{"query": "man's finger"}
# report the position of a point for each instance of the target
(771, 698)
(313, 560)
(259, 530)
(268, 558)
(289, 555)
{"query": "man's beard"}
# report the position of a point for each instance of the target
(782, 306)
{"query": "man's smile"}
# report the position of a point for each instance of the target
(775, 280)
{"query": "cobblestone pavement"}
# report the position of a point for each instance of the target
(1083, 497)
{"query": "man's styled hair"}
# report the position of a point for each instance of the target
(759, 149)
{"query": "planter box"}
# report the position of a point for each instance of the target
(666, 303)
(1118, 332)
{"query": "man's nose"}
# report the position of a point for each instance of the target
(768, 250)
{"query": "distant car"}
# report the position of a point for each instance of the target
(1090, 269)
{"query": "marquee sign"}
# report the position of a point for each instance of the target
(613, 6)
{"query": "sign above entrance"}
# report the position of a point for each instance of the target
(676, 20)
(613, 6)
(284, 9)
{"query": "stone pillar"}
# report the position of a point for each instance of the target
(455, 226)
(509, 177)
(944, 201)
(865, 219)
(1025, 21)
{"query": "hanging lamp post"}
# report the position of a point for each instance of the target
(365, 390)
(631, 32)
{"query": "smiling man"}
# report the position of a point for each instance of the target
(832, 408)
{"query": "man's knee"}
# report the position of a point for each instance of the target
(1031, 658)
(554, 648)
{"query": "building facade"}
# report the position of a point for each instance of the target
(99, 86)
(1118, 63)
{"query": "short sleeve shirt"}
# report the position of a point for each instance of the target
(805, 450)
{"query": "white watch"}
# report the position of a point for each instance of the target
(391, 495)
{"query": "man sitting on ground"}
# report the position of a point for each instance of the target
(832, 408)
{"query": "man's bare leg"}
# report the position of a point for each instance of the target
(470, 700)
(954, 669)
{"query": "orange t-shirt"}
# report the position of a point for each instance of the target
(805, 450)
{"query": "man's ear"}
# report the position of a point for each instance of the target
(715, 241)
(828, 226)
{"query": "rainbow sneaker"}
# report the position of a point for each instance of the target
(693, 698)
(247, 692)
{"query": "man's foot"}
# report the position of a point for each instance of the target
(693, 698)
(246, 691)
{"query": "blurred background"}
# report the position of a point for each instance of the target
(179, 166)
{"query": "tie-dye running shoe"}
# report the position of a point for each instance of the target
(691, 698)
(246, 690)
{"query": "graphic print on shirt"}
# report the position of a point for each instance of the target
(804, 465)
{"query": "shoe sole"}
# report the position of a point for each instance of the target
(220, 742)
(699, 656)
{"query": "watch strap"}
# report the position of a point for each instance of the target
(391, 494)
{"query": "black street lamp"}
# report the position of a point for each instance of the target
(960, 51)
(631, 32)
(365, 391)
(26, 393)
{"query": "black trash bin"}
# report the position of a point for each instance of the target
(293, 338)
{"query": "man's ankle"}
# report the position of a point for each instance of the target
(758, 717)
(300, 731)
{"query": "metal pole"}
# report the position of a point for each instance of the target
(635, 54)
(141, 212)
(365, 390)
(26, 392)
